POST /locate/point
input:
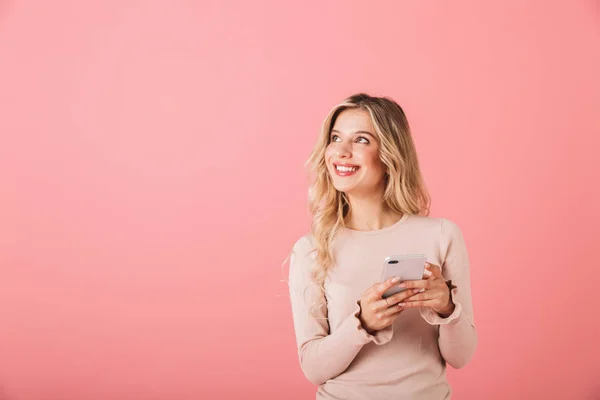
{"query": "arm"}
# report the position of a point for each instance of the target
(457, 335)
(323, 355)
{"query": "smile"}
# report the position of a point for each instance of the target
(345, 170)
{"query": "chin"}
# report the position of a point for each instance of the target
(352, 190)
(343, 189)
(347, 188)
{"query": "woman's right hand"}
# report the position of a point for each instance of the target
(378, 313)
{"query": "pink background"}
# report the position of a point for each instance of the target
(152, 182)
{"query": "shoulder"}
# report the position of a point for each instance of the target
(427, 222)
(451, 237)
(303, 243)
(302, 261)
(450, 229)
(444, 228)
(445, 224)
(303, 248)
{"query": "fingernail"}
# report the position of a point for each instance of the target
(402, 284)
(416, 290)
(396, 279)
(401, 304)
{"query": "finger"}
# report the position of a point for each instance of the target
(388, 310)
(420, 284)
(426, 273)
(415, 304)
(390, 302)
(398, 297)
(434, 270)
(380, 288)
(426, 295)
(382, 304)
(392, 311)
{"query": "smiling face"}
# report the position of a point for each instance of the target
(352, 155)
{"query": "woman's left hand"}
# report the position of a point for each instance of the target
(431, 292)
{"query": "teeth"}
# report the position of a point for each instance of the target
(345, 169)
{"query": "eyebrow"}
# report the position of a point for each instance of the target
(356, 132)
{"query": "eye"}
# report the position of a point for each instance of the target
(359, 139)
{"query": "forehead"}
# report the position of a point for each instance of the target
(354, 119)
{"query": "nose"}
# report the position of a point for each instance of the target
(343, 150)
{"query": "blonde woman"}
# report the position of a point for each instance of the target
(368, 201)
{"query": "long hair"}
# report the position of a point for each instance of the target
(405, 190)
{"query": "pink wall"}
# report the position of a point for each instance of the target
(151, 183)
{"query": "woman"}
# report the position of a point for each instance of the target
(369, 201)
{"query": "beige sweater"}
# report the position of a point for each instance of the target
(408, 359)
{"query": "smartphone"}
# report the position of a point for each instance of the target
(409, 267)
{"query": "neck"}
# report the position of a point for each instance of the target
(368, 213)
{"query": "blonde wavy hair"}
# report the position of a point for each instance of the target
(405, 189)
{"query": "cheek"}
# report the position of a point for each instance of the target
(371, 159)
(329, 152)
(374, 163)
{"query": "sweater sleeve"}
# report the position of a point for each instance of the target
(457, 334)
(323, 354)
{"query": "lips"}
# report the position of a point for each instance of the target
(344, 169)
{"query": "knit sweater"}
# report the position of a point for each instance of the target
(406, 360)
